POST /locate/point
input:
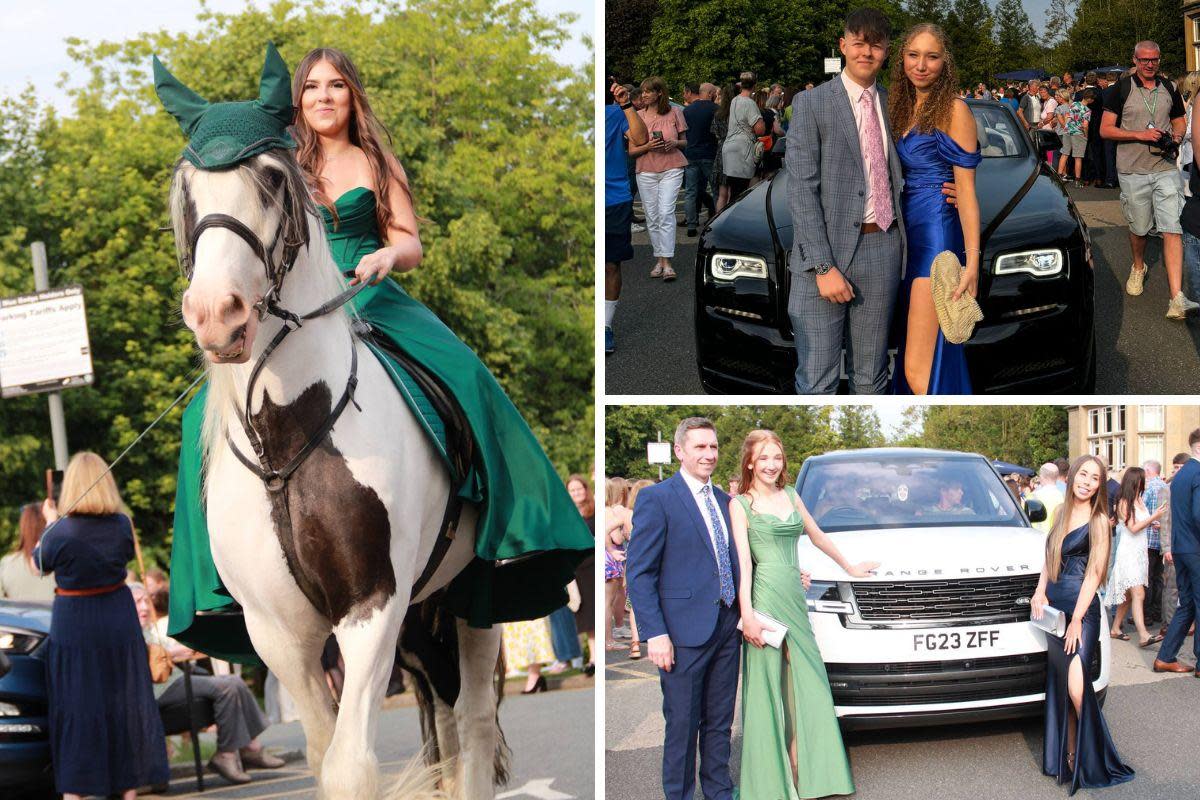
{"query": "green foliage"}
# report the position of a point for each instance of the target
(970, 28)
(496, 137)
(626, 30)
(934, 11)
(714, 40)
(1016, 42)
(1024, 435)
(1103, 32)
(859, 426)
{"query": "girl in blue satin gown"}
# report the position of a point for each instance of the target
(938, 143)
(1077, 747)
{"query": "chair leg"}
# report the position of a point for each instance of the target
(187, 688)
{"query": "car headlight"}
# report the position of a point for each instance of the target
(726, 267)
(1039, 263)
(16, 640)
(826, 597)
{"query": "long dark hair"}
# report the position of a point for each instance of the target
(32, 525)
(727, 94)
(1132, 486)
(936, 111)
(366, 132)
(1098, 526)
(657, 84)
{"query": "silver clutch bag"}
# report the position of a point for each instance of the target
(1053, 621)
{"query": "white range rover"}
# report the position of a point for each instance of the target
(941, 632)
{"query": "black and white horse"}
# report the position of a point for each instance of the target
(339, 543)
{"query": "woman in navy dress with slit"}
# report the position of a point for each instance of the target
(1077, 748)
(937, 143)
(106, 737)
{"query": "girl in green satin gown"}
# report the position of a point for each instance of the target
(525, 512)
(791, 745)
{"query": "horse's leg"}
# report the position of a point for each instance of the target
(293, 653)
(369, 648)
(478, 649)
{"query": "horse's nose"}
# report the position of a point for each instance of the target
(214, 320)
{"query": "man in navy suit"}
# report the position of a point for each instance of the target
(682, 573)
(1185, 554)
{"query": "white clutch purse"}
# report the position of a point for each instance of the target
(1053, 621)
(773, 629)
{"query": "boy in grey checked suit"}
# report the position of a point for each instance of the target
(846, 270)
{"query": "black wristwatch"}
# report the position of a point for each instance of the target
(823, 269)
(627, 106)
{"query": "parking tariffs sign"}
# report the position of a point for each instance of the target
(44, 342)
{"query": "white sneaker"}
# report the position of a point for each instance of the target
(1180, 307)
(1137, 277)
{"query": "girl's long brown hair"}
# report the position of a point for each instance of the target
(1098, 526)
(366, 132)
(750, 447)
(938, 107)
(1132, 485)
(657, 84)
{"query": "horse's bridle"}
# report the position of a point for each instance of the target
(276, 479)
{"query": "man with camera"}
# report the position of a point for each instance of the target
(1144, 115)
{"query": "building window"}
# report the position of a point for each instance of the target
(1120, 416)
(1150, 418)
(1106, 419)
(1093, 422)
(1118, 456)
(1150, 448)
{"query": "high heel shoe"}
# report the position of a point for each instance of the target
(538, 686)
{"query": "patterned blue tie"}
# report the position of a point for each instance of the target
(724, 569)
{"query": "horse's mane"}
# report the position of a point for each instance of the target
(277, 181)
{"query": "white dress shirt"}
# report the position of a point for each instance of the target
(694, 486)
(855, 91)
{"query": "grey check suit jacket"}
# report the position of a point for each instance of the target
(826, 180)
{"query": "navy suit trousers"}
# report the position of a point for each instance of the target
(698, 699)
(1187, 578)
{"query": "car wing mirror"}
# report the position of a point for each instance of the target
(1047, 141)
(1035, 510)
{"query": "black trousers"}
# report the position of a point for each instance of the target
(1154, 592)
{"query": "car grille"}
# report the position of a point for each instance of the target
(920, 683)
(993, 600)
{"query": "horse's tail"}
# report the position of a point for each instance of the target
(503, 751)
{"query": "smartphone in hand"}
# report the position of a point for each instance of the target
(54, 479)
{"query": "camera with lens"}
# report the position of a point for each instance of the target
(1165, 147)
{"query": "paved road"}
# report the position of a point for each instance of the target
(1140, 351)
(1152, 717)
(551, 735)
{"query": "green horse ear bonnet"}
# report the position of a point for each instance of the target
(222, 135)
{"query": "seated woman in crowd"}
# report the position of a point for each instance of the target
(239, 719)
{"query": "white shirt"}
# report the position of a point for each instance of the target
(855, 91)
(694, 486)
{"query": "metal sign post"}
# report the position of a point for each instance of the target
(58, 421)
(658, 453)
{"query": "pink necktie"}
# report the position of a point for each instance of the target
(880, 194)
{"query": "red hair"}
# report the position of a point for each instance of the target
(589, 502)
(750, 448)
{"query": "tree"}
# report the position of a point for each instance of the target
(714, 40)
(934, 11)
(969, 26)
(627, 26)
(1007, 433)
(1059, 18)
(911, 429)
(1016, 42)
(1103, 33)
(858, 426)
(501, 169)
(1048, 435)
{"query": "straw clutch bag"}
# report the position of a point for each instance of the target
(956, 318)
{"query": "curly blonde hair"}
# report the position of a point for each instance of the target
(938, 108)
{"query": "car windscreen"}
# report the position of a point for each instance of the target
(999, 135)
(874, 493)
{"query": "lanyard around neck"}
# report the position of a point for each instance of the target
(1153, 93)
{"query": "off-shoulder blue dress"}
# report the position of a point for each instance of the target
(930, 226)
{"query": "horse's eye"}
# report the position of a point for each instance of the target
(275, 178)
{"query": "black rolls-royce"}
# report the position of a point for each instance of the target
(1035, 288)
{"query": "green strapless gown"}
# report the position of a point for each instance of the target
(788, 700)
(524, 508)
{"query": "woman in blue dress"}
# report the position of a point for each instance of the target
(1077, 746)
(106, 737)
(937, 142)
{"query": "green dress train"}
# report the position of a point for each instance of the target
(525, 511)
(771, 716)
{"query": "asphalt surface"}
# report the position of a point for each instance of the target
(1139, 350)
(1152, 717)
(551, 735)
